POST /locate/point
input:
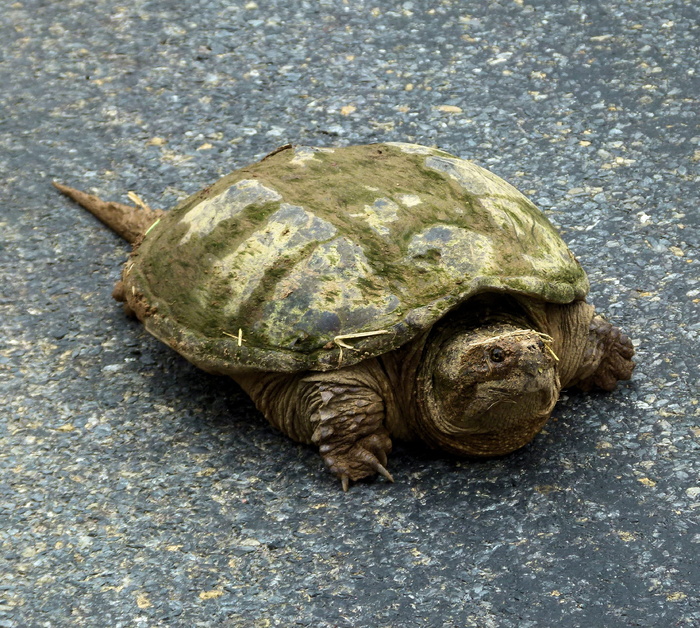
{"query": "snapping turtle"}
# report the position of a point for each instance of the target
(369, 292)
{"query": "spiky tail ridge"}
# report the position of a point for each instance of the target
(125, 220)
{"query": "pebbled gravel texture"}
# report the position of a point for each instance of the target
(138, 491)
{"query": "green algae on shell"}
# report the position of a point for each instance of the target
(312, 244)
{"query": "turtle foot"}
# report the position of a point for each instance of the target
(349, 431)
(608, 357)
(364, 458)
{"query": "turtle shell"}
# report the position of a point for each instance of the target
(315, 258)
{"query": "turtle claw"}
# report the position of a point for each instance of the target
(379, 468)
(360, 460)
(356, 474)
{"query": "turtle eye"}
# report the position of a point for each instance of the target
(497, 354)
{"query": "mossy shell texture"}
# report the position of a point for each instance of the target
(313, 248)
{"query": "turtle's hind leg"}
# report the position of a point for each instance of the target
(607, 358)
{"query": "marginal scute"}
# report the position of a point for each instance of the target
(310, 245)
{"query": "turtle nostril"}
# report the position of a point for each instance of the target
(532, 368)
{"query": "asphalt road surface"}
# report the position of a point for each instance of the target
(136, 490)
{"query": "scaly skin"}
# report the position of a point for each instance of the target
(477, 392)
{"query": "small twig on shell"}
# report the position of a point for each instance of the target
(151, 227)
(238, 337)
(339, 340)
(138, 201)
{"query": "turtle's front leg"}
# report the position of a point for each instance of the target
(348, 426)
(607, 357)
(342, 412)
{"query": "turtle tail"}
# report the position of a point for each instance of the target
(125, 220)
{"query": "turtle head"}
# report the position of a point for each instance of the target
(488, 390)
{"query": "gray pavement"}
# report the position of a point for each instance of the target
(138, 491)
